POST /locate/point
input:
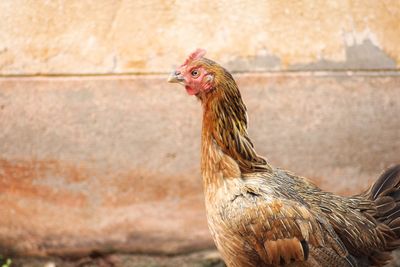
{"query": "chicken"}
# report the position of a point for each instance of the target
(259, 215)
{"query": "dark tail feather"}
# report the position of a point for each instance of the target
(388, 181)
(385, 193)
(395, 226)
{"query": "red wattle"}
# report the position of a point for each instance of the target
(190, 90)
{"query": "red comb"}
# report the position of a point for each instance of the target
(199, 53)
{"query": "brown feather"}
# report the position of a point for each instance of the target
(389, 179)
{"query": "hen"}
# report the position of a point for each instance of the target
(264, 216)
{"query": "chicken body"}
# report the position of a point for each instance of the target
(253, 224)
(263, 216)
(275, 218)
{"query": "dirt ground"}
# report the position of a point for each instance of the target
(209, 258)
(199, 259)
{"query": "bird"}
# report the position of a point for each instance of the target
(261, 215)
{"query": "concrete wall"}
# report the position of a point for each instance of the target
(99, 153)
(77, 37)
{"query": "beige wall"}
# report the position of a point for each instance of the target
(111, 162)
(115, 36)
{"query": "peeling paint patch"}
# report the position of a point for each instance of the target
(357, 38)
(254, 63)
(359, 56)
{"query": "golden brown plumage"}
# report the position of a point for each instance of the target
(263, 216)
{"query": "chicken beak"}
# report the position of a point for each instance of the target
(176, 77)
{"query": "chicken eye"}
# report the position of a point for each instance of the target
(195, 73)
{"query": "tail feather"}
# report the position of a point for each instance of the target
(395, 226)
(385, 205)
(393, 215)
(395, 195)
(387, 181)
(385, 194)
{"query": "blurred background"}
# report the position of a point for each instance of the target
(99, 156)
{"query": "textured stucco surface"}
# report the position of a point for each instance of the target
(112, 163)
(150, 36)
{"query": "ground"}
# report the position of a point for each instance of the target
(199, 259)
(209, 258)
